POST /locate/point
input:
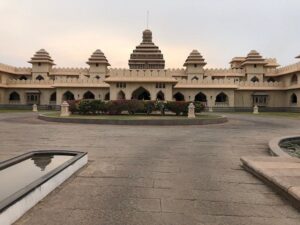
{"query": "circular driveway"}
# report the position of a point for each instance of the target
(155, 175)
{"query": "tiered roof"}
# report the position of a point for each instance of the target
(146, 55)
(271, 62)
(98, 57)
(195, 58)
(42, 56)
(254, 57)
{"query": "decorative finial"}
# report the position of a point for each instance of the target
(147, 19)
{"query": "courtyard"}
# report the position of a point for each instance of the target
(155, 175)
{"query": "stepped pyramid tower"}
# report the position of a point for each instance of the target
(146, 55)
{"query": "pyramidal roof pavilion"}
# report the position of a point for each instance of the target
(146, 55)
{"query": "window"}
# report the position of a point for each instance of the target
(39, 77)
(195, 65)
(254, 65)
(121, 85)
(97, 64)
(160, 85)
(254, 79)
(39, 64)
(294, 79)
(97, 77)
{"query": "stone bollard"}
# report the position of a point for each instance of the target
(255, 109)
(64, 109)
(191, 113)
(34, 108)
(210, 109)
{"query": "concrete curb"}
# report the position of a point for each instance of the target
(280, 173)
(275, 149)
(155, 122)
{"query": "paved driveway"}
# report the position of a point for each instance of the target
(181, 175)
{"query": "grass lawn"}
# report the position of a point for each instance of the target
(133, 117)
(14, 110)
(293, 115)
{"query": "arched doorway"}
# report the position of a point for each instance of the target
(107, 96)
(221, 99)
(141, 94)
(53, 99)
(294, 99)
(88, 95)
(14, 97)
(178, 96)
(160, 96)
(200, 97)
(67, 96)
(121, 95)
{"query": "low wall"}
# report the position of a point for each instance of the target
(29, 107)
(160, 122)
(250, 109)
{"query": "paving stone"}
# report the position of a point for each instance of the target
(156, 175)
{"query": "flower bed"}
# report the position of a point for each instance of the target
(117, 107)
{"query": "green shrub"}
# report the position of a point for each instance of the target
(149, 107)
(84, 107)
(97, 107)
(177, 107)
(116, 107)
(199, 107)
(134, 106)
(73, 106)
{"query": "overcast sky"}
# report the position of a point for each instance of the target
(70, 30)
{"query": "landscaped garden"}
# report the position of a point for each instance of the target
(132, 107)
(134, 112)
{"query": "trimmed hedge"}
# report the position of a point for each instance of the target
(116, 107)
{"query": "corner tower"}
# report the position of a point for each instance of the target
(98, 64)
(146, 55)
(194, 65)
(41, 65)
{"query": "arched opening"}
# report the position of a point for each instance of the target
(294, 79)
(200, 97)
(14, 97)
(141, 94)
(23, 78)
(53, 98)
(195, 78)
(67, 96)
(221, 99)
(88, 95)
(160, 96)
(294, 99)
(39, 77)
(97, 77)
(121, 95)
(178, 96)
(271, 79)
(107, 96)
(254, 79)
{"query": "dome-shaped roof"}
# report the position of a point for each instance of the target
(42, 56)
(195, 58)
(254, 57)
(98, 57)
(146, 55)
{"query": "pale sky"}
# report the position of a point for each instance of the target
(70, 30)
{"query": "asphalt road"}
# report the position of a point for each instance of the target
(148, 175)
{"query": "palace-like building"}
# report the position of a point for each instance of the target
(250, 80)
